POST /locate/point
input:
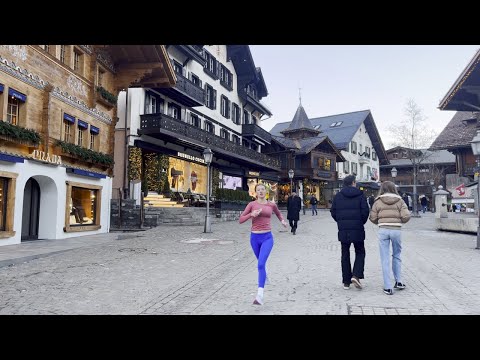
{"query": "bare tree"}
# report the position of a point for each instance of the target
(413, 135)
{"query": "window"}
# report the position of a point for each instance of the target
(254, 120)
(354, 168)
(335, 124)
(360, 152)
(245, 143)
(395, 155)
(209, 127)
(236, 139)
(83, 206)
(63, 53)
(374, 155)
(225, 134)
(316, 127)
(236, 114)
(320, 162)
(404, 154)
(246, 117)
(177, 67)
(68, 122)
(255, 147)
(210, 65)
(225, 107)
(346, 167)
(210, 97)
(369, 172)
(226, 78)
(8, 182)
(101, 76)
(3, 203)
(46, 48)
(78, 61)
(354, 147)
(327, 164)
(13, 110)
(150, 104)
(367, 151)
(92, 141)
(252, 91)
(194, 120)
(174, 111)
(196, 80)
(80, 137)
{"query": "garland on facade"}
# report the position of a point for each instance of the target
(152, 176)
(86, 154)
(134, 164)
(164, 163)
(19, 133)
(108, 96)
(215, 181)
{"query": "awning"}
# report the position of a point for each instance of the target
(1, 87)
(86, 173)
(11, 158)
(17, 95)
(69, 118)
(94, 130)
(82, 124)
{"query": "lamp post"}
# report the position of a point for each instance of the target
(476, 151)
(290, 175)
(394, 174)
(207, 156)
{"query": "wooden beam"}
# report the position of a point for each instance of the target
(139, 66)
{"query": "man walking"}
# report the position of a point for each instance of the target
(350, 211)
(313, 202)
(294, 205)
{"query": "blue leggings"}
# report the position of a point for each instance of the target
(262, 246)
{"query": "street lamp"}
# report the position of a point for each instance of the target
(290, 175)
(476, 151)
(207, 156)
(394, 173)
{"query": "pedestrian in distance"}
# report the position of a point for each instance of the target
(261, 239)
(423, 202)
(389, 211)
(371, 199)
(350, 211)
(314, 202)
(294, 205)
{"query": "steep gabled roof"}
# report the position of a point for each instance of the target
(299, 122)
(458, 133)
(342, 134)
(306, 145)
(431, 157)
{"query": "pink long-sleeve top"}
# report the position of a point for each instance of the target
(262, 221)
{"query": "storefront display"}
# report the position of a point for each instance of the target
(83, 205)
(184, 175)
(270, 186)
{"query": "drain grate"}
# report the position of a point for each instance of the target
(380, 310)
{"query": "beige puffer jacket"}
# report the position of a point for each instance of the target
(389, 210)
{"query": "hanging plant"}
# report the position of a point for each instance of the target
(134, 164)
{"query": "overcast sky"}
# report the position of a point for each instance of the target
(337, 79)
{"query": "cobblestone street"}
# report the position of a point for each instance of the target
(180, 270)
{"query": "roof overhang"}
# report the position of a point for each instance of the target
(464, 95)
(140, 65)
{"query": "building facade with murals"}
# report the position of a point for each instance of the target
(58, 113)
(216, 104)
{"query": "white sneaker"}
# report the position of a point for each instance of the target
(258, 300)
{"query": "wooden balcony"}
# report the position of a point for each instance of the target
(165, 127)
(252, 130)
(185, 92)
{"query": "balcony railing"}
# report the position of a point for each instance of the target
(158, 123)
(251, 130)
(185, 92)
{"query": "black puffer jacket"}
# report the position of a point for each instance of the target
(350, 211)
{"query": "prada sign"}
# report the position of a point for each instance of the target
(42, 156)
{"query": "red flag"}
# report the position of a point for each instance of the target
(460, 189)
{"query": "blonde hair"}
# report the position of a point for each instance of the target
(387, 187)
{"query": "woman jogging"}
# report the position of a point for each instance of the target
(261, 239)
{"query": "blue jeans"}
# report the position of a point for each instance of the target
(314, 210)
(385, 236)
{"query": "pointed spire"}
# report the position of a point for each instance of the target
(300, 95)
(300, 124)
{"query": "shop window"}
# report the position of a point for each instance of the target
(80, 137)
(63, 53)
(13, 110)
(7, 203)
(83, 207)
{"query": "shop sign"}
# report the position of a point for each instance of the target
(254, 173)
(190, 157)
(42, 156)
(324, 174)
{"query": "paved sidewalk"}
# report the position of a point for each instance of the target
(181, 270)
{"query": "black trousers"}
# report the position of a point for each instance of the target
(293, 224)
(358, 265)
